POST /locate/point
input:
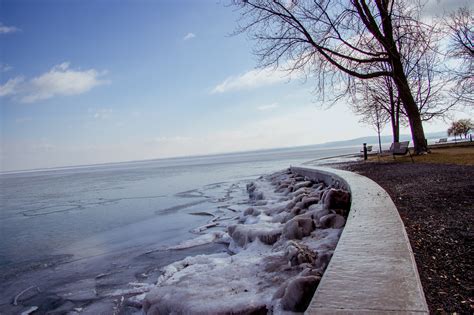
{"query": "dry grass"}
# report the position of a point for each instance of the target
(461, 155)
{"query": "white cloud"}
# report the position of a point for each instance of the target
(11, 86)
(5, 68)
(267, 107)
(189, 36)
(8, 29)
(252, 79)
(60, 80)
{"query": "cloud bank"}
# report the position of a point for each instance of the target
(59, 81)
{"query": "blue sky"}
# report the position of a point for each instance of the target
(86, 82)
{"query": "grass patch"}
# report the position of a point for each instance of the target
(461, 155)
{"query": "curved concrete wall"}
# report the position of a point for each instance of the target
(373, 269)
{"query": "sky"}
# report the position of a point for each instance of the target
(85, 82)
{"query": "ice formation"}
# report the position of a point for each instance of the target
(279, 246)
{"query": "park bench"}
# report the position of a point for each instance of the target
(400, 148)
(442, 140)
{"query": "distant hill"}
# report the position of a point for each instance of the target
(373, 140)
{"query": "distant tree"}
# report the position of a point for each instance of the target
(460, 128)
(373, 112)
(460, 26)
(377, 100)
(339, 41)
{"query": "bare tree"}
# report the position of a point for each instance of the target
(426, 78)
(460, 25)
(378, 98)
(425, 71)
(373, 110)
(338, 41)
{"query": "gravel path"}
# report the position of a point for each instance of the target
(436, 203)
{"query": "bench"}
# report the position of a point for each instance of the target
(442, 140)
(400, 148)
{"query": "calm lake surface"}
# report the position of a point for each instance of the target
(69, 214)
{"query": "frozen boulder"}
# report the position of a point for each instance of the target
(299, 292)
(317, 211)
(244, 234)
(296, 211)
(251, 211)
(298, 254)
(298, 227)
(251, 187)
(303, 184)
(337, 199)
(256, 195)
(302, 190)
(306, 202)
(323, 260)
(332, 220)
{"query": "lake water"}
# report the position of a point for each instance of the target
(96, 215)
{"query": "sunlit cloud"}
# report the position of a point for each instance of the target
(250, 80)
(189, 36)
(4, 29)
(12, 86)
(59, 81)
(257, 78)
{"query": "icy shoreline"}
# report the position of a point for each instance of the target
(260, 246)
(278, 249)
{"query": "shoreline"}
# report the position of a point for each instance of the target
(349, 160)
(279, 249)
(101, 285)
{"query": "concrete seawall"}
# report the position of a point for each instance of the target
(373, 269)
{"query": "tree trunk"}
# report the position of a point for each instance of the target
(397, 119)
(394, 115)
(400, 78)
(395, 131)
(414, 118)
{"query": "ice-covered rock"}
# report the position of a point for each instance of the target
(299, 185)
(298, 254)
(332, 220)
(298, 227)
(337, 199)
(306, 202)
(216, 284)
(299, 292)
(281, 245)
(242, 234)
